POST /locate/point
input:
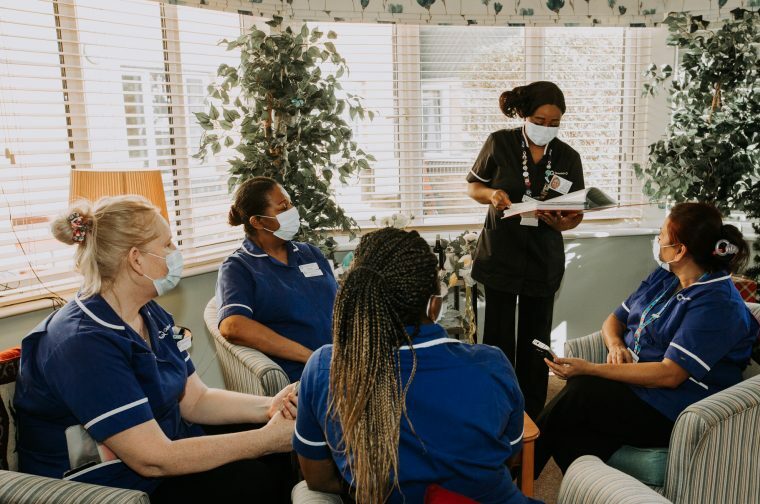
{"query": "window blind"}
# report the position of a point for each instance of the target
(114, 84)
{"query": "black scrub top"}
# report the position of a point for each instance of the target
(510, 257)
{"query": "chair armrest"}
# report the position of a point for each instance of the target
(302, 495)
(588, 480)
(20, 488)
(591, 348)
(714, 441)
(244, 369)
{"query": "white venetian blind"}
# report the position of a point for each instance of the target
(436, 91)
(104, 85)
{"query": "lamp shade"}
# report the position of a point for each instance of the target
(95, 184)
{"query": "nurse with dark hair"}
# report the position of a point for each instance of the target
(522, 257)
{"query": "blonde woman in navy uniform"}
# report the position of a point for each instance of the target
(273, 293)
(524, 257)
(111, 366)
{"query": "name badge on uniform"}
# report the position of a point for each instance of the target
(633, 356)
(185, 343)
(310, 270)
(528, 220)
(559, 184)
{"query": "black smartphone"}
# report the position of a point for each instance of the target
(544, 350)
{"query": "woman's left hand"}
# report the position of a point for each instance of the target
(569, 367)
(558, 220)
(286, 401)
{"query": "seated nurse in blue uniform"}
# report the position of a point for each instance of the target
(394, 405)
(274, 294)
(107, 392)
(683, 335)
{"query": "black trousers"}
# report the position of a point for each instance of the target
(594, 416)
(534, 322)
(264, 480)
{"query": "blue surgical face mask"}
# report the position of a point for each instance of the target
(290, 223)
(174, 263)
(540, 135)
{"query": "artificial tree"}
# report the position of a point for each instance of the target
(282, 109)
(711, 148)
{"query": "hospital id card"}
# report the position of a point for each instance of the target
(310, 270)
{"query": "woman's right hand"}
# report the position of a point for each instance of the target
(500, 200)
(280, 433)
(619, 354)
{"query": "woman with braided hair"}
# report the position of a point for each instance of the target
(394, 405)
(519, 256)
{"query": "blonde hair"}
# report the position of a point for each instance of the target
(393, 275)
(110, 229)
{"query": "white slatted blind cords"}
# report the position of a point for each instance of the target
(114, 84)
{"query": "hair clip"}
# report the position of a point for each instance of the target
(724, 247)
(79, 227)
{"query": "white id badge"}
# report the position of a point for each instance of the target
(633, 356)
(528, 219)
(185, 343)
(559, 184)
(310, 270)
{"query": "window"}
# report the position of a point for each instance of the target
(94, 84)
(104, 85)
(436, 91)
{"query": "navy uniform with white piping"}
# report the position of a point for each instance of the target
(295, 300)
(84, 366)
(465, 407)
(705, 328)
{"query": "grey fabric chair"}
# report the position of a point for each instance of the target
(244, 369)
(713, 453)
(20, 488)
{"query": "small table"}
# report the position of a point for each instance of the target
(527, 455)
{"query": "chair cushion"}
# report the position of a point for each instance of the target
(9, 362)
(435, 494)
(645, 464)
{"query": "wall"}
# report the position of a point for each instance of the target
(601, 272)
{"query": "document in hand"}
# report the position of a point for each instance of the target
(578, 201)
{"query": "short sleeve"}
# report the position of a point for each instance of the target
(234, 290)
(93, 377)
(709, 331)
(485, 166)
(513, 404)
(309, 438)
(575, 173)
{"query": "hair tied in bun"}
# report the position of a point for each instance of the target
(724, 247)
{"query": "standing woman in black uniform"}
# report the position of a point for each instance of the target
(522, 256)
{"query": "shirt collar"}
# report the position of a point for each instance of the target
(253, 250)
(429, 335)
(100, 311)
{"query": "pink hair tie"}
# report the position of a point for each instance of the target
(79, 227)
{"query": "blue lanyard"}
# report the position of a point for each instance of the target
(644, 321)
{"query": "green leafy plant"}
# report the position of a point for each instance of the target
(711, 149)
(282, 109)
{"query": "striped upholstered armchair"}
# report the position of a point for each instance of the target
(713, 453)
(244, 369)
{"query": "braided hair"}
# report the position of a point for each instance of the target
(393, 275)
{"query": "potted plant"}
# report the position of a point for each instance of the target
(711, 148)
(284, 114)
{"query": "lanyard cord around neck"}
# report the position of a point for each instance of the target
(548, 173)
(672, 288)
